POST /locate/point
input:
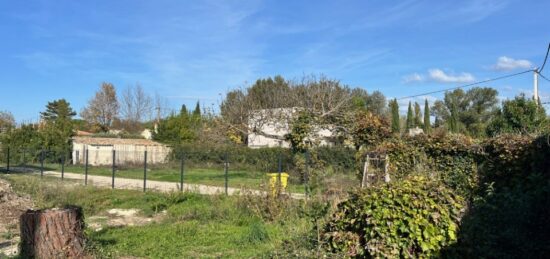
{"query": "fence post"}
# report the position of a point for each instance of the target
(62, 168)
(8, 162)
(24, 163)
(279, 172)
(86, 167)
(145, 170)
(306, 174)
(226, 169)
(113, 171)
(41, 163)
(182, 168)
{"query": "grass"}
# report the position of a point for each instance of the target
(194, 226)
(171, 173)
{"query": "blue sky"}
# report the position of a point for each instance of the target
(189, 50)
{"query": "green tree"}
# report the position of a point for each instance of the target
(410, 117)
(7, 121)
(427, 126)
(466, 112)
(25, 137)
(197, 111)
(58, 127)
(520, 115)
(376, 103)
(395, 121)
(177, 128)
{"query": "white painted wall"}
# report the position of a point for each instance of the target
(124, 154)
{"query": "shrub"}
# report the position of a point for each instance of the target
(450, 158)
(415, 217)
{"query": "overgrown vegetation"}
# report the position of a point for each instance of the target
(413, 218)
(194, 225)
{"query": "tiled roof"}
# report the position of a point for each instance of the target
(114, 141)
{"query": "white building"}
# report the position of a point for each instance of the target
(269, 127)
(127, 151)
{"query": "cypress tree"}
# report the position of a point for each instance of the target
(183, 110)
(197, 111)
(394, 106)
(410, 117)
(427, 126)
(453, 120)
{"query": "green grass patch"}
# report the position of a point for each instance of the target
(194, 226)
(207, 176)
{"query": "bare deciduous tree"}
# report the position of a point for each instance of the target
(136, 105)
(273, 103)
(103, 108)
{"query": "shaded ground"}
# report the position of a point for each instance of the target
(12, 206)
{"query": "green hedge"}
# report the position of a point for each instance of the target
(413, 218)
(340, 159)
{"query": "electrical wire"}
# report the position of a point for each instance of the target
(468, 85)
(545, 58)
(545, 78)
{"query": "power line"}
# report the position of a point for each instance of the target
(545, 58)
(545, 78)
(472, 84)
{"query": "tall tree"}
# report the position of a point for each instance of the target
(520, 115)
(376, 103)
(103, 108)
(466, 112)
(58, 109)
(275, 101)
(395, 121)
(58, 126)
(410, 117)
(136, 105)
(197, 110)
(417, 115)
(427, 126)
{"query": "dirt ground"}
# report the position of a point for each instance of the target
(12, 206)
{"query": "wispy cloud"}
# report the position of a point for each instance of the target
(506, 63)
(439, 76)
(412, 78)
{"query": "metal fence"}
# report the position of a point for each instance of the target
(225, 171)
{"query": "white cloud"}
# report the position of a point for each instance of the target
(506, 63)
(413, 78)
(440, 76)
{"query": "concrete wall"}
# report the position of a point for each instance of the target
(124, 154)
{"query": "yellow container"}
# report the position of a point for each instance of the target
(274, 179)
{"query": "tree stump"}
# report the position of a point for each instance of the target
(52, 233)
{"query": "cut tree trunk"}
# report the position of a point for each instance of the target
(52, 233)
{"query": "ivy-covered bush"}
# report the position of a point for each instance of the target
(509, 158)
(413, 218)
(450, 158)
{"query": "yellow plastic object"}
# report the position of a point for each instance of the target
(274, 179)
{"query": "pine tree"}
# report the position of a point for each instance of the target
(427, 126)
(394, 106)
(410, 117)
(417, 115)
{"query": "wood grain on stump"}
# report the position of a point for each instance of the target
(52, 233)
